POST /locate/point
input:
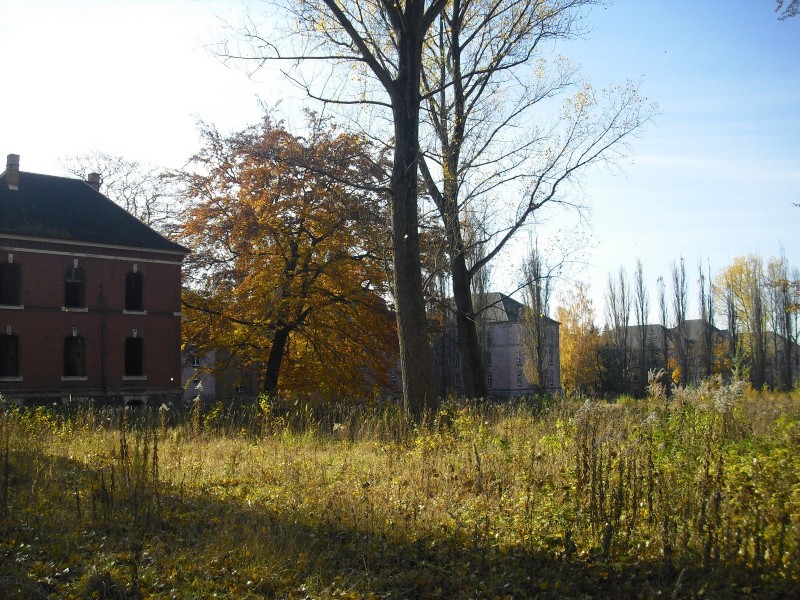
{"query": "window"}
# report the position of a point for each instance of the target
(73, 356)
(9, 284)
(488, 380)
(489, 359)
(9, 356)
(519, 379)
(134, 354)
(133, 291)
(195, 361)
(73, 288)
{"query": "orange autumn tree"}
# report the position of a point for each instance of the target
(287, 269)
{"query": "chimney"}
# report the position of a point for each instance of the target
(94, 180)
(12, 171)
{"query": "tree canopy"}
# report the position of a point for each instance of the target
(287, 270)
(469, 71)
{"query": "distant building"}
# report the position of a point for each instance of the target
(502, 333)
(215, 376)
(701, 350)
(90, 297)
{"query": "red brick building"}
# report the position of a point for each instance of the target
(89, 296)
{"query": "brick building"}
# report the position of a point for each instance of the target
(89, 296)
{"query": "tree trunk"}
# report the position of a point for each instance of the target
(416, 360)
(274, 361)
(757, 375)
(787, 351)
(469, 349)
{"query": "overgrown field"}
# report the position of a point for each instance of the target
(695, 497)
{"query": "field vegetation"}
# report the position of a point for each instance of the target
(696, 496)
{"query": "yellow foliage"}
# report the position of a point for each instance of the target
(286, 271)
(579, 343)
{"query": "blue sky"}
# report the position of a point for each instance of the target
(715, 177)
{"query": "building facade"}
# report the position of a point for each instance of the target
(90, 297)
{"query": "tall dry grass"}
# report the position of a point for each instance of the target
(695, 496)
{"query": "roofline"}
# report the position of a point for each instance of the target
(499, 304)
(185, 252)
(163, 261)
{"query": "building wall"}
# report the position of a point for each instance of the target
(41, 322)
(508, 360)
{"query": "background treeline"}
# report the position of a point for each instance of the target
(745, 327)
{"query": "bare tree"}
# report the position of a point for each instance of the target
(680, 295)
(783, 309)
(485, 84)
(732, 320)
(618, 318)
(642, 311)
(758, 331)
(145, 191)
(536, 341)
(706, 301)
(663, 320)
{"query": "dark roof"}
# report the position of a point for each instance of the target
(693, 331)
(497, 307)
(694, 328)
(62, 208)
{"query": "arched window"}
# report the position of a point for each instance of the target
(73, 288)
(9, 284)
(133, 291)
(9, 355)
(134, 357)
(73, 356)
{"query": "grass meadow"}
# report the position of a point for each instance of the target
(695, 497)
